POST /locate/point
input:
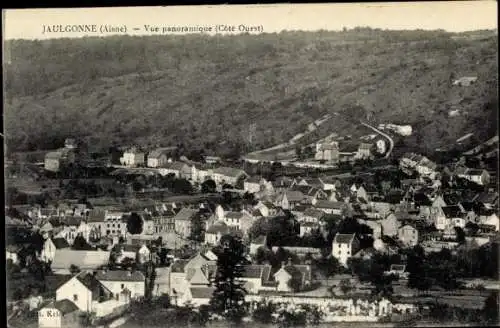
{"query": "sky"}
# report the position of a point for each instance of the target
(453, 16)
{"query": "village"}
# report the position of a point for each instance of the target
(403, 241)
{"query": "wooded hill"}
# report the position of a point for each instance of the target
(207, 91)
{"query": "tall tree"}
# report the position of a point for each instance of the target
(197, 228)
(135, 224)
(229, 295)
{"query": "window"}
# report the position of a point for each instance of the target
(340, 251)
(123, 286)
(113, 225)
(108, 232)
(75, 297)
(118, 225)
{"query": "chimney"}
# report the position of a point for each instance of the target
(283, 264)
(289, 261)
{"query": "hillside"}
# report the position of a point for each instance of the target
(213, 92)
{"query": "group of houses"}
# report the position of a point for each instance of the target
(332, 152)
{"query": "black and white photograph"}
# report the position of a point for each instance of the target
(253, 166)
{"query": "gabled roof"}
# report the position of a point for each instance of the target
(329, 204)
(176, 166)
(64, 306)
(260, 240)
(344, 238)
(160, 151)
(60, 243)
(312, 212)
(120, 275)
(452, 211)
(96, 215)
(229, 172)
(64, 258)
(294, 196)
(202, 292)
(88, 280)
(185, 214)
(218, 227)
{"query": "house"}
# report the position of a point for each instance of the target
(390, 225)
(228, 175)
(327, 151)
(281, 184)
(59, 314)
(489, 218)
(212, 159)
(366, 192)
(49, 248)
(257, 278)
(480, 177)
(178, 169)
(198, 296)
(69, 233)
(465, 81)
(312, 215)
(307, 228)
(374, 225)
(449, 215)
(364, 151)
(488, 199)
(259, 242)
(84, 290)
(118, 280)
(56, 160)
(409, 161)
(398, 270)
(330, 207)
(139, 253)
(344, 246)
(301, 273)
(215, 232)
(182, 221)
(253, 185)
(426, 168)
(159, 157)
(11, 253)
(132, 157)
(265, 209)
(310, 193)
(85, 260)
(241, 221)
(408, 235)
(289, 199)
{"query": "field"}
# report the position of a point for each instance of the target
(238, 94)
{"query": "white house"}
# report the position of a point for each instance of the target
(118, 280)
(132, 157)
(344, 246)
(228, 175)
(480, 177)
(49, 248)
(59, 314)
(253, 185)
(288, 272)
(159, 157)
(84, 290)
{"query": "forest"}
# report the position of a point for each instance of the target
(239, 93)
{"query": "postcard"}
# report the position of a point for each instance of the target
(254, 165)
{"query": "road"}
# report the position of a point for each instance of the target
(391, 142)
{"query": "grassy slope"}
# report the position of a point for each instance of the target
(204, 91)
